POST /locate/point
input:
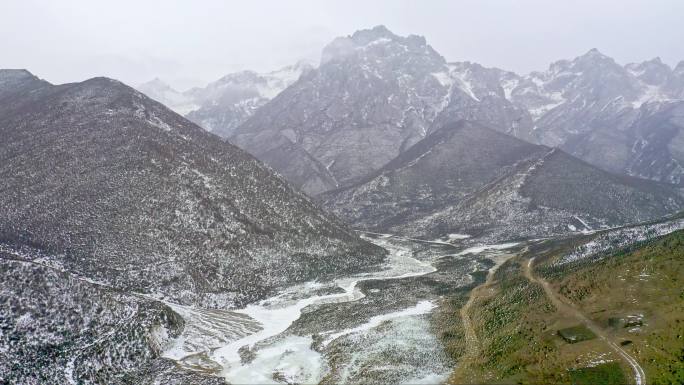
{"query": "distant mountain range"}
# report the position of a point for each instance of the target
(375, 94)
(223, 105)
(624, 119)
(118, 215)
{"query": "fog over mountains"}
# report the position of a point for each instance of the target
(223, 105)
(375, 94)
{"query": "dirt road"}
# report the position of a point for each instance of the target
(568, 308)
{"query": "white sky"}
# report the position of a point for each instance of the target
(189, 43)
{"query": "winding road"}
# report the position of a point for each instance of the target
(568, 308)
(472, 343)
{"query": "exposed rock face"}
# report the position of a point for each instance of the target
(373, 96)
(624, 119)
(121, 189)
(467, 178)
(231, 100)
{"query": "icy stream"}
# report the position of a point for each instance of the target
(253, 344)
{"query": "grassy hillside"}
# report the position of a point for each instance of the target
(637, 294)
(634, 295)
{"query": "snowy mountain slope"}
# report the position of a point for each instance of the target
(229, 101)
(60, 328)
(612, 116)
(180, 102)
(223, 105)
(374, 94)
(467, 178)
(120, 189)
(484, 95)
(624, 119)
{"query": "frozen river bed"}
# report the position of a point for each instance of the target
(372, 327)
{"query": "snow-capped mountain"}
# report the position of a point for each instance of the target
(373, 95)
(223, 105)
(624, 119)
(484, 95)
(229, 101)
(466, 178)
(178, 101)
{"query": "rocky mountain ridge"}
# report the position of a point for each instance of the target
(226, 103)
(469, 180)
(375, 94)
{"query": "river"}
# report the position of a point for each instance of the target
(338, 331)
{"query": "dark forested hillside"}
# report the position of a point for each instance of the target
(119, 188)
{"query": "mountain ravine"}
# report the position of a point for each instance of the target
(384, 217)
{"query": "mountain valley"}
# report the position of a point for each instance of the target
(384, 216)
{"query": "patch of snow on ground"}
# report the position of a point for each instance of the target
(458, 236)
(444, 78)
(481, 248)
(276, 314)
(464, 84)
(620, 238)
(422, 307)
(291, 360)
(508, 86)
(650, 93)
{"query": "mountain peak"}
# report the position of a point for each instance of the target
(679, 69)
(366, 36)
(15, 74)
(105, 82)
(13, 80)
(595, 61)
(656, 62)
(156, 81)
(370, 39)
(594, 53)
(653, 72)
(155, 84)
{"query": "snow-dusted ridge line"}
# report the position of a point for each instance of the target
(621, 237)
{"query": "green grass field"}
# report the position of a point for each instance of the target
(517, 327)
(605, 374)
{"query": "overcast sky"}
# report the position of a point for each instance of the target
(189, 43)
